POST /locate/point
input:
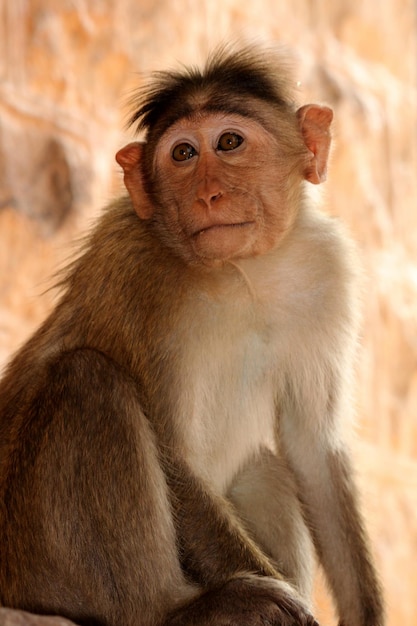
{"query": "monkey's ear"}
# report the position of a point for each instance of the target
(315, 123)
(129, 158)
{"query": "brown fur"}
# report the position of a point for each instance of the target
(169, 435)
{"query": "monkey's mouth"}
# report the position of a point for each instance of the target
(219, 227)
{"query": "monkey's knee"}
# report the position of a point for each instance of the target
(90, 503)
(248, 601)
(265, 496)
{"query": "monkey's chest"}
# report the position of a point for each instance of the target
(227, 405)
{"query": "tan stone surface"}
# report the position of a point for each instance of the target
(65, 70)
(20, 618)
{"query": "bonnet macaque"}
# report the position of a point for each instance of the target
(170, 438)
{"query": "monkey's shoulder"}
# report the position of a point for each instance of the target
(323, 241)
(320, 252)
(314, 276)
(120, 250)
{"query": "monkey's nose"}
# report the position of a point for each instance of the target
(209, 201)
(209, 196)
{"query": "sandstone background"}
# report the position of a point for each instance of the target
(66, 68)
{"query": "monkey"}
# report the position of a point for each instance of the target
(172, 436)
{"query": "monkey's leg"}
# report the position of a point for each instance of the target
(88, 531)
(265, 495)
(243, 587)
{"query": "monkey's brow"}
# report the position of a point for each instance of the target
(232, 108)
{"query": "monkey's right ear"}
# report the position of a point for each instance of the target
(129, 158)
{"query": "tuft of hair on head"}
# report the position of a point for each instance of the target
(230, 76)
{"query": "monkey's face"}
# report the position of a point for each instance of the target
(221, 186)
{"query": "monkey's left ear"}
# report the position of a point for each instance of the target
(315, 123)
(129, 158)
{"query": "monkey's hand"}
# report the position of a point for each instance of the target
(246, 601)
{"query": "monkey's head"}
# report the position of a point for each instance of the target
(220, 174)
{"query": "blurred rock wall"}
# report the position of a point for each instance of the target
(66, 69)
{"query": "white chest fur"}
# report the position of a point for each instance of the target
(266, 323)
(227, 390)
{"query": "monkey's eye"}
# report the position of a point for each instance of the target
(183, 152)
(229, 141)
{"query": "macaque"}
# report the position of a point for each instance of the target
(172, 450)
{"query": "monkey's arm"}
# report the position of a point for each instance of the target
(214, 545)
(323, 472)
(218, 553)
